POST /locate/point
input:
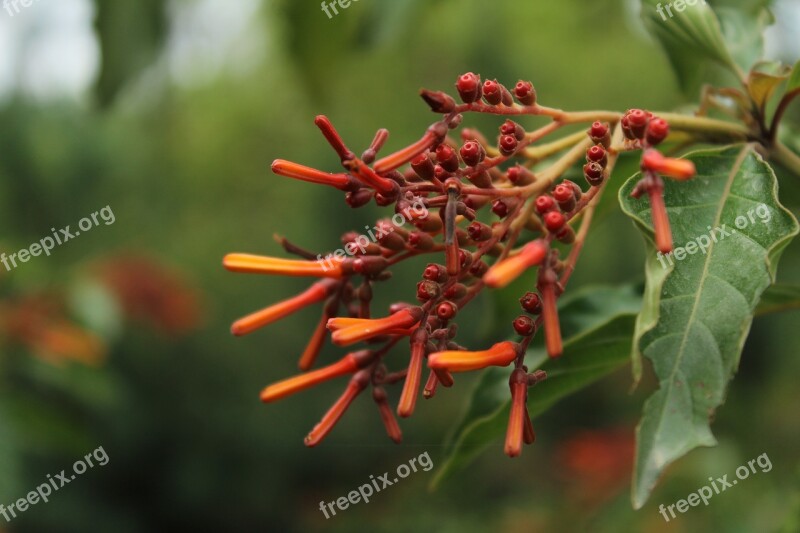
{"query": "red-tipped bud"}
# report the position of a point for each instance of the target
(554, 220)
(346, 365)
(446, 310)
(508, 144)
(525, 92)
(357, 384)
(600, 133)
(455, 291)
(472, 153)
(446, 156)
(531, 302)
(501, 354)
(420, 240)
(524, 325)
(519, 175)
(367, 329)
(316, 293)
(435, 272)
(509, 269)
(518, 382)
(625, 124)
(257, 264)
(358, 198)
(509, 127)
(545, 203)
(679, 169)
(427, 290)
(478, 269)
(492, 92)
(657, 131)
(479, 232)
(566, 234)
(423, 166)
(438, 101)
(469, 87)
(594, 174)
(565, 197)
(597, 154)
(637, 121)
(288, 169)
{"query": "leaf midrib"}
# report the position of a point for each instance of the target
(717, 219)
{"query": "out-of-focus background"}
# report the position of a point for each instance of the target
(169, 113)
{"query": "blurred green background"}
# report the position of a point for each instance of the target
(170, 112)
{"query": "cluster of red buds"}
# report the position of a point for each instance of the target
(492, 210)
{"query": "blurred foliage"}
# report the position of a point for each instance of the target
(185, 167)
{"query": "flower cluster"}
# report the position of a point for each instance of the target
(492, 211)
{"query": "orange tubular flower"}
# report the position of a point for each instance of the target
(346, 365)
(314, 344)
(679, 169)
(552, 328)
(259, 264)
(368, 328)
(408, 153)
(408, 398)
(387, 416)
(357, 384)
(341, 181)
(509, 269)
(518, 382)
(316, 293)
(501, 354)
(658, 211)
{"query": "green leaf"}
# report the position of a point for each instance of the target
(794, 79)
(743, 30)
(597, 325)
(779, 298)
(694, 332)
(691, 38)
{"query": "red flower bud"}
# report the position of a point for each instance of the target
(472, 153)
(525, 92)
(508, 144)
(523, 325)
(554, 220)
(531, 303)
(492, 92)
(545, 203)
(657, 131)
(469, 87)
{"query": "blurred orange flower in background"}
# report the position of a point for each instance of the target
(40, 324)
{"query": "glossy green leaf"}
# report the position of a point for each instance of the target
(693, 332)
(597, 324)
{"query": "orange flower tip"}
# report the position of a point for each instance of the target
(513, 451)
(504, 272)
(257, 264)
(501, 354)
(679, 169)
(369, 328)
